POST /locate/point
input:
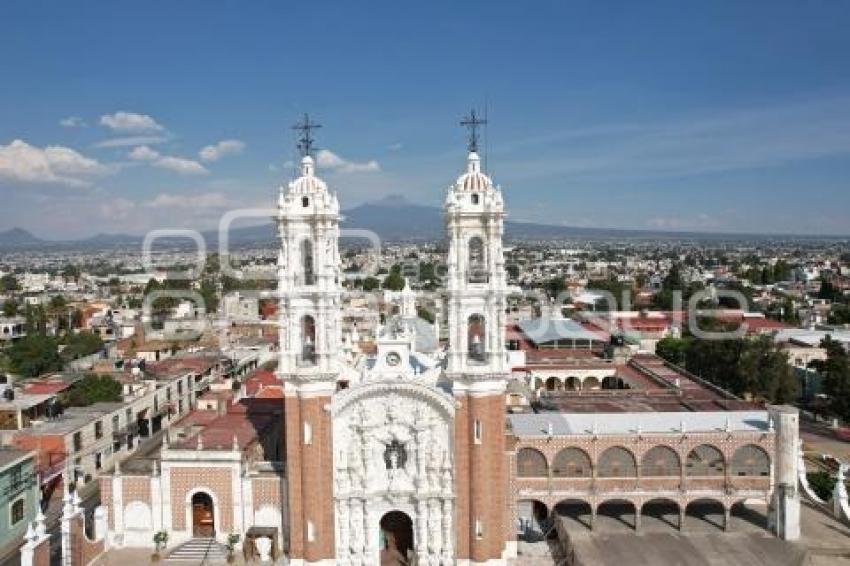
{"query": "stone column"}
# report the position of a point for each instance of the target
(786, 498)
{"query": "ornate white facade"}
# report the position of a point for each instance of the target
(393, 452)
(376, 436)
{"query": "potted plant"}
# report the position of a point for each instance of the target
(159, 540)
(232, 541)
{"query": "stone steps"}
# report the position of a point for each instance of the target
(197, 550)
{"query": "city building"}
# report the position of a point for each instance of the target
(19, 497)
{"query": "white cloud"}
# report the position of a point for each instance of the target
(143, 153)
(217, 151)
(130, 122)
(130, 141)
(72, 122)
(21, 161)
(176, 164)
(194, 201)
(333, 162)
(118, 208)
(180, 165)
(395, 146)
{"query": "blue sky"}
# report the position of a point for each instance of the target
(716, 116)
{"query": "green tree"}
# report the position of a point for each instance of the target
(394, 281)
(9, 283)
(555, 286)
(371, 283)
(674, 350)
(766, 372)
(10, 307)
(81, 344)
(92, 389)
(425, 314)
(835, 370)
(33, 355)
(71, 271)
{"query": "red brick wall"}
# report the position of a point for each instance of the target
(218, 480)
(463, 437)
(481, 479)
(106, 498)
(266, 491)
(83, 551)
(488, 477)
(310, 470)
(292, 449)
(49, 448)
(136, 489)
(41, 554)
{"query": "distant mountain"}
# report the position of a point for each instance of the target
(393, 219)
(112, 239)
(18, 237)
(396, 219)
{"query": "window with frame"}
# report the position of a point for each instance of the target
(98, 429)
(78, 441)
(16, 514)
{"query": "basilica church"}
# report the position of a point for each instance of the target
(406, 450)
(413, 444)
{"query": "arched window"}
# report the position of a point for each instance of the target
(660, 461)
(572, 463)
(705, 460)
(750, 461)
(307, 262)
(617, 462)
(477, 268)
(477, 338)
(531, 463)
(553, 384)
(305, 202)
(308, 340)
(612, 382)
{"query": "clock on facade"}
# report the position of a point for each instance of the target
(393, 359)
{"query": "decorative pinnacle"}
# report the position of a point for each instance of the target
(472, 122)
(305, 141)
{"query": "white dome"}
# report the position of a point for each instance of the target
(473, 180)
(308, 183)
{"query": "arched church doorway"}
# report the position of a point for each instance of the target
(203, 515)
(396, 539)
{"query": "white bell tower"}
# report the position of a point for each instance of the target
(477, 360)
(309, 276)
(477, 286)
(310, 347)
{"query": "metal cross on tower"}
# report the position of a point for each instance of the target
(472, 122)
(305, 142)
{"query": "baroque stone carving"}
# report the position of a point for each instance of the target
(395, 452)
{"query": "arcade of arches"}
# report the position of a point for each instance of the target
(576, 383)
(615, 484)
